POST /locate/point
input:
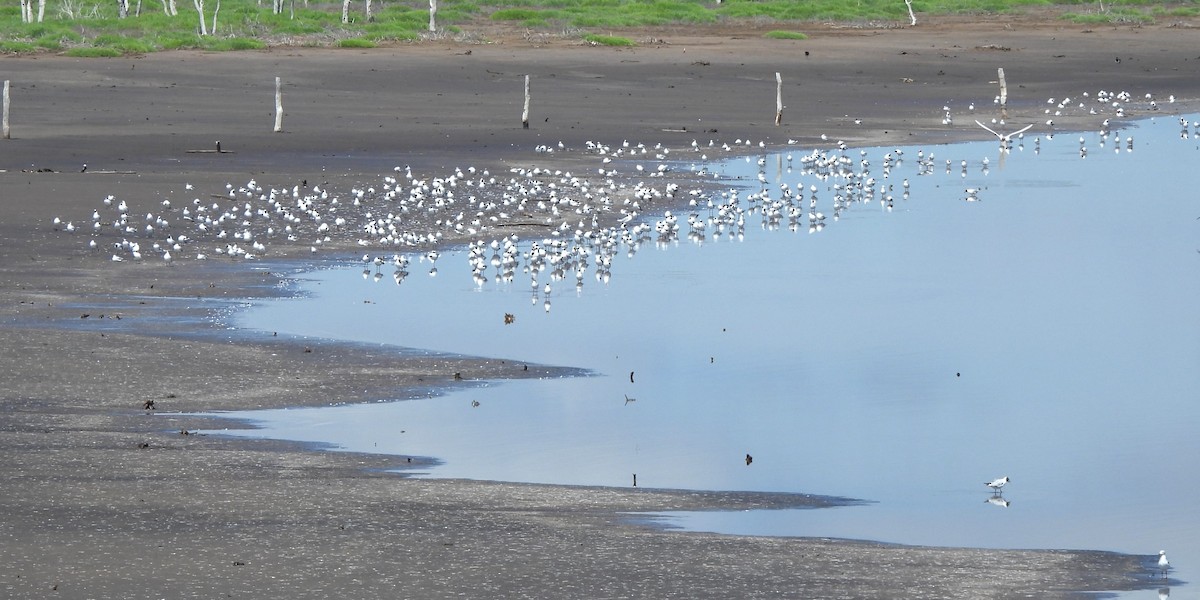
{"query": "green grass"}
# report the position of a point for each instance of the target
(123, 44)
(355, 43)
(527, 17)
(94, 52)
(779, 34)
(1108, 16)
(607, 40)
(233, 43)
(91, 27)
(12, 47)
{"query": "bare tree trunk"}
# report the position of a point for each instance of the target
(170, 8)
(41, 10)
(912, 16)
(367, 11)
(432, 15)
(215, 11)
(778, 99)
(137, 11)
(345, 11)
(278, 106)
(26, 11)
(4, 130)
(293, 8)
(524, 113)
(199, 4)
(122, 9)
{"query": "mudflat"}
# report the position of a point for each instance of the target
(104, 498)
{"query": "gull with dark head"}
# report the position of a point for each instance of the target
(998, 484)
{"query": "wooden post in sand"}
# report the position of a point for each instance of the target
(778, 99)
(278, 106)
(525, 113)
(1003, 94)
(4, 119)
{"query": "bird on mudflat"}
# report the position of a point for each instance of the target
(1163, 563)
(998, 484)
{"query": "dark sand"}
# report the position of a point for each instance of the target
(101, 500)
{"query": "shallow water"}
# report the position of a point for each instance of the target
(1048, 332)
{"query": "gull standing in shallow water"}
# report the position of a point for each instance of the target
(1163, 563)
(998, 484)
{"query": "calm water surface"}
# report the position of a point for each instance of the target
(1049, 331)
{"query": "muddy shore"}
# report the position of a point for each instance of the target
(105, 499)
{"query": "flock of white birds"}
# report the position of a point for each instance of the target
(629, 197)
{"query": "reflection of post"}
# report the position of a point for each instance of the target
(778, 99)
(1003, 94)
(5, 116)
(525, 113)
(278, 106)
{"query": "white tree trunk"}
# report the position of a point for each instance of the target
(778, 99)
(41, 10)
(345, 11)
(122, 9)
(26, 11)
(912, 16)
(432, 15)
(199, 4)
(215, 11)
(278, 106)
(367, 11)
(4, 130)
(524, 113)
(172, 9)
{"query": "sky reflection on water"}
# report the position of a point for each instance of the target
(1048, 332)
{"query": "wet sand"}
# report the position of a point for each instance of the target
(104, 499)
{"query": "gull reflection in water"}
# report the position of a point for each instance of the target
(998, 500)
